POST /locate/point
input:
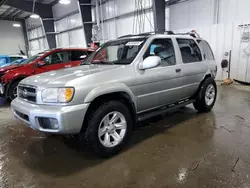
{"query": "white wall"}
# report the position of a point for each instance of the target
(74, 37)
(36, 35)
(114, 26)
(192, 13)
(10, 38)
(234, 10)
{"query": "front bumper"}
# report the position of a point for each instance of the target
(70, 118)
(2, 90)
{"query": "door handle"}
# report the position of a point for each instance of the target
(177, 70)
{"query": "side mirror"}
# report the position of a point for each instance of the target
(150, 62)
(41, 63)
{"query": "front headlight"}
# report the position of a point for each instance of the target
(58, 95)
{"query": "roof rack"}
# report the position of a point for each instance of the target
(193, 34)
(137, 35)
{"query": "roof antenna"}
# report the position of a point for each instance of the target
(34, 4)
(21, 51)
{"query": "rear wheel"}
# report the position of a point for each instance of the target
(207, 96)
(13, 90)
(108, 128)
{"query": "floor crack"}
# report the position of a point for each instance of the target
(232, 169)
(224, 128)
(240, 117)
(198, 164)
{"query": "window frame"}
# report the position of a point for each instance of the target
(205, 56)
(174, 48)
(65, 51)
(190, 39)
(73, 51)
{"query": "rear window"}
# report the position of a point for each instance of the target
(189, 50)
(206, 49)
(77, 55)
(15, 58)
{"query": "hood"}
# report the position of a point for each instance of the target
(3, 69)
(62, 77)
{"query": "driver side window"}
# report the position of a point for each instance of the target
(164, 49)
(56, 58)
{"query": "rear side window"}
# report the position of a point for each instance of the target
(190, 51)
(15, 58)
(56, 58)
(77, 55)
(206, 49)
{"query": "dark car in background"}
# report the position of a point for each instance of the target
(46, 61)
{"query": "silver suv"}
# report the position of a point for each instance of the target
(125, 81)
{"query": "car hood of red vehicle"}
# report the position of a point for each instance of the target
(9, 68)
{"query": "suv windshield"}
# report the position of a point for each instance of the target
(31, 59)
(116, 52)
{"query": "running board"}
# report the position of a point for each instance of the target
(164, 109)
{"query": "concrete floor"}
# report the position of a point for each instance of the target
(180, 149)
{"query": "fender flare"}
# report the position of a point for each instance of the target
(109, 89)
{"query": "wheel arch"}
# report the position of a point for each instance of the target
(121, 96)
(208, 75)
(17, 79)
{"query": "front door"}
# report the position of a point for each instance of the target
(160, 85)
(54, 61)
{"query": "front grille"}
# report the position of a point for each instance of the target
(27, 93)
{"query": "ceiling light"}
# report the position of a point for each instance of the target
(34, 16)
(64, 2)
(16, 25)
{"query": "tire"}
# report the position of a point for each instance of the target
(13, 90)
(204, 103)
(94, 136)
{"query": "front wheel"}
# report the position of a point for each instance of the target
(206, 96)
(13, 90)
(108, 129)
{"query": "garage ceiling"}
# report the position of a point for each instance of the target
(45, 1)
(11, 13)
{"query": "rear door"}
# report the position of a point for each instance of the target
(193, 68)
(160, 85)
(53, 61)
(208, 55)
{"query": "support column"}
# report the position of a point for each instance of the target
(85, 8)
(50, 32)
(159, 15)
(26, 41)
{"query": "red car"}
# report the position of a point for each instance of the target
(42, 62)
